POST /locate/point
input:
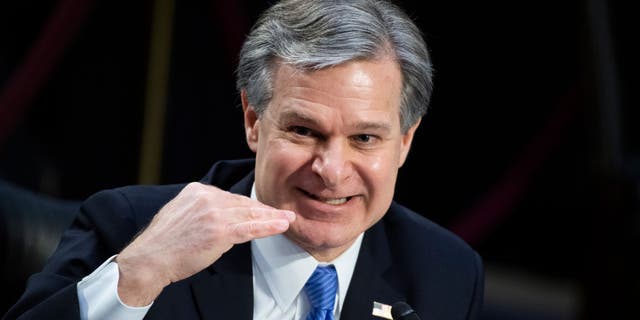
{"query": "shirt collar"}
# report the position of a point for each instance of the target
(286, 267)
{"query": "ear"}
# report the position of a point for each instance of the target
(251, 122)
(405, 143)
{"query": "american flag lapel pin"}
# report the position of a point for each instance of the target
(381, 310)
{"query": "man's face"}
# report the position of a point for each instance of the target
(328, 147)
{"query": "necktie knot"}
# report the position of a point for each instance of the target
(321, 290)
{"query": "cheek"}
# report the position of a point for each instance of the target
(280, 159)
(284, 151)
(379, 174)
(380, 168)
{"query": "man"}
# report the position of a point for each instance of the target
(332, 94)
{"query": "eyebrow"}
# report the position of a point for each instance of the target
(374, 126)
(289, 115)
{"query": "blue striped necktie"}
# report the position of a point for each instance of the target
(321, 290)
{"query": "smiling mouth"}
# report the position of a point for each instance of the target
(331, 201)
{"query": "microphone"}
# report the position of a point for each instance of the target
(402, 311)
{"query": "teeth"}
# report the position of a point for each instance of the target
(335, 201)
(331, 201)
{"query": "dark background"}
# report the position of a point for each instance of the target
(530, 150)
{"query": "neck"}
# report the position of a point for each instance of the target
(326, 255)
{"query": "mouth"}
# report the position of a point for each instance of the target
(330, 201)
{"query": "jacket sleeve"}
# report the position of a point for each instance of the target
(478, 295)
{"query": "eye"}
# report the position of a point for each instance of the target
(364, 138)
(299, 130)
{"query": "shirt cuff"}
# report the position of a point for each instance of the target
(98, 295)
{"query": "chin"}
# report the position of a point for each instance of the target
(314, 237)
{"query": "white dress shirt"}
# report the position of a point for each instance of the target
(280, 270)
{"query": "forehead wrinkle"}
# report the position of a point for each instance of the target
(297, 91)
(365, 104)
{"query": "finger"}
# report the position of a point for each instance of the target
(246, 214)
(244, 201)
(249, 230)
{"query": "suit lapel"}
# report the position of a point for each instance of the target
(372, 278)
(225, 290)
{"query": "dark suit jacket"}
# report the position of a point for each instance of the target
(403, 257)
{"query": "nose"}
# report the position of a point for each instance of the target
(331, 163)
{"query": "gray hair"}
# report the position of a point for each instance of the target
(317, 34)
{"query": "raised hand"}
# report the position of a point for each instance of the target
(190, 233)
